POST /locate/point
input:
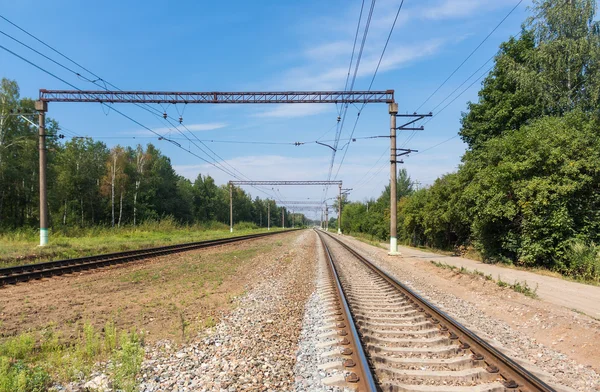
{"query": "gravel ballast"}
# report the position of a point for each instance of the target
(253, 348)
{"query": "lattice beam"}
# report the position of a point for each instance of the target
(285, 182)
(173, 97)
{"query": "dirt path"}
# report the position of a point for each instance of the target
(571, 295)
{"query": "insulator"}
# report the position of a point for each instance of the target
(339, 118)
(180, 119)
(165, 115)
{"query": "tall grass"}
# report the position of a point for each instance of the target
(31, 364)
(582, 261)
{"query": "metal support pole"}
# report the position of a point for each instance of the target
(282, 217)
(340, 211)
(322, 226)
(231, 208)
(42, 108)
(393, 109)
(268, 215)
(326, 218)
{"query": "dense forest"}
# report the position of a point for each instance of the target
(528, 189)
(90, 184)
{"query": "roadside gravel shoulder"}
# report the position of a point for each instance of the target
(557, 343)
(253, 348)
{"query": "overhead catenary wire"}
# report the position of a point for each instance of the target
(387, 41)
(146, 107)
(469, 56)
(116, 110)
(350, 88)
(98, 78)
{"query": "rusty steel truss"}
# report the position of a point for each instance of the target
(285, 182)
(168, 97)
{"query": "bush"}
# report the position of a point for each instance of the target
(245, 226)
(582, 261)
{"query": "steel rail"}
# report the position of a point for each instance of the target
(365, 375)
(516, 377)
(26, 272)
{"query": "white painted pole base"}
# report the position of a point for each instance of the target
(231, 229)
(339, 231)
(394, 247)
(43, 237)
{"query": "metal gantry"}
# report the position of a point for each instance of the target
(279, 183)
(215, 97)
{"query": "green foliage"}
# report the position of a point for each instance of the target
(127, 362)
(32, 364)
(582, 261)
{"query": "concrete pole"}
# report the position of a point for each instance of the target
(340, 211)
(268, 215)
(282, 217)
(230, 207)
(42, 108)
(326, 218)
(393, 109)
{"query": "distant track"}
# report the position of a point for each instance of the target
(27, 272)
(409, 344)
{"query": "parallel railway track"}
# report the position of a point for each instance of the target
(408, 344)
(27, 272)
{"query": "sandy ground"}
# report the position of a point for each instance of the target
(551, 320)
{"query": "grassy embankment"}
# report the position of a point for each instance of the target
(21, 246)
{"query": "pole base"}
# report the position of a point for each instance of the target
(231, 229)
(394, 247)
(43, 237)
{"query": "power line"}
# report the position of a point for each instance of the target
(362, 6)
(116, 110)
(345, 110)
(98, 78)
(469, 56)
(372, 81)
(145, 106)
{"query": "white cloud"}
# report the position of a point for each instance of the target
(293, 110)
(314, 77)
(451, 9)
(190, 127)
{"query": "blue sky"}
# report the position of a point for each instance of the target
(265, 46)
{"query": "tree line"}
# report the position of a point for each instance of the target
(528, 189)
(90, 184)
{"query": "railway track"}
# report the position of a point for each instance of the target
(397, 341)
(27, 272)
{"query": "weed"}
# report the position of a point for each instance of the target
(524, 288)
(184, 324)
(500, 283)
(209, 322)
(127, 361)
(30, 364)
